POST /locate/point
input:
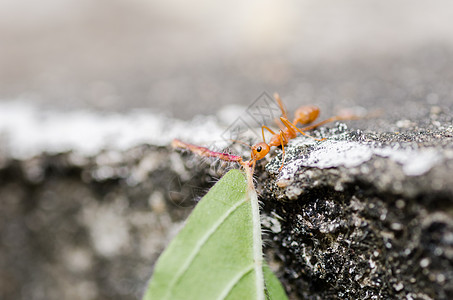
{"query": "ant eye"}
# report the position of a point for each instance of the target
(258, 149)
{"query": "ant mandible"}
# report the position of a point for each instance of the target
(303, 115)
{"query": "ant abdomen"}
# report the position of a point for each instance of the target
(306, 114)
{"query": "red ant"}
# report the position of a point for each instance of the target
(304, 115)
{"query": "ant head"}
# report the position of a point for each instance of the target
(259, 151)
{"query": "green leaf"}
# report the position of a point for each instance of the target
(218, 254)
(274, 289)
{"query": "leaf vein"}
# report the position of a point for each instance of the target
(201, 242)
(235, 280)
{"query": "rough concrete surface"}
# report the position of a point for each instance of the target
(79, 228)
(367, 231)
(89, 201)
(362, 215)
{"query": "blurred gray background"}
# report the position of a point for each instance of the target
(188, 58)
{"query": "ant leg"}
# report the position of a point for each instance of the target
(332, 119)
(262, 131)
(291, 126)
(280, 104)
(283, 140)
(280, 125)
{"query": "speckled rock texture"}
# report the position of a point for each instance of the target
(85, 228)
(365, 232)
(346, 225)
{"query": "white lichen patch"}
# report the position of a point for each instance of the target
(415, 162)
(330, 154)
(26, 131)
(334, 153)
